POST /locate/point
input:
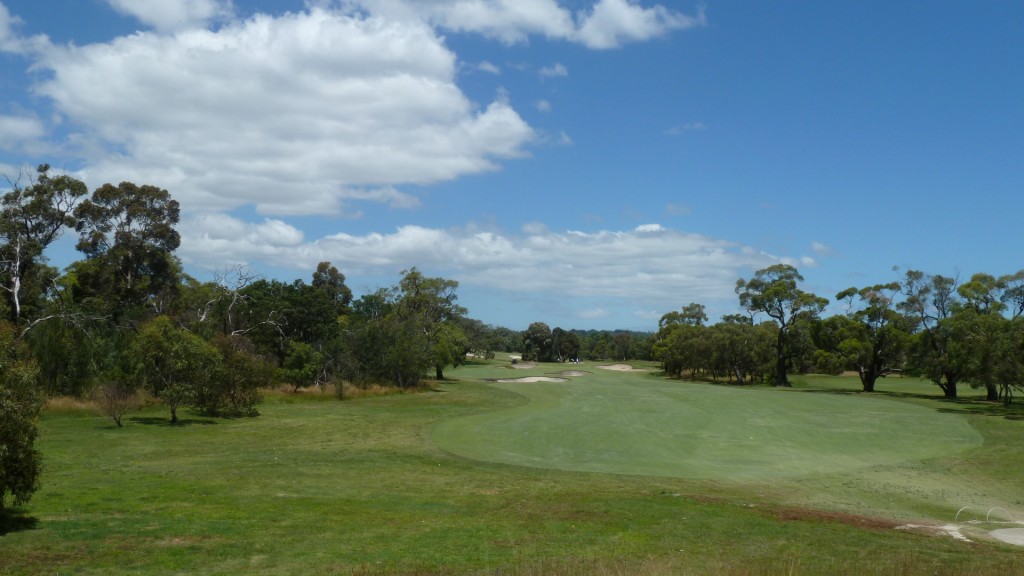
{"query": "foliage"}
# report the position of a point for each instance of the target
(127, 235)
(20, 402)
(537, 342)
(175, 365)
(873, 337)
(773, 291)
(31, 218)
(234, 388)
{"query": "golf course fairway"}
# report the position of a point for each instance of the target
(631, 423)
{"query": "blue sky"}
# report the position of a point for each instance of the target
(589, 164)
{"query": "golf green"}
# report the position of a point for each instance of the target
(630, 424)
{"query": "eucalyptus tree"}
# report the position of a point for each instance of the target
(979, 329)
(681, 343)
(32, 217)
(128, 237)
(774, 291)
(1012, 286)
(876, 336)
(930, 302)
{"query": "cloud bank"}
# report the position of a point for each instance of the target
(650, 262)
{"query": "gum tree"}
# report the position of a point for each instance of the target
(31, 218)
(875, 337)
(774, 291)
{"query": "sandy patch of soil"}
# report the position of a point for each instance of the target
(531, 379)
(951, 530)
(622, 368)
(571, 373)
(1009, 535)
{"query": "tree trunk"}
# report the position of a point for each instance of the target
(949, 388)
(439, 372)
(867, 378)
(991, 392)
(780, 359)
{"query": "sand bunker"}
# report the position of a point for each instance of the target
(1009, 535)
(622, 368)
(532, 379)
(572, 373)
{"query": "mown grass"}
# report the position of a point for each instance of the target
(318, 486)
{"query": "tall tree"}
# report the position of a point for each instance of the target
(876, 340)
(127, 235)
(537, 342)
(774, 291)
(931, 302)
(31, 218)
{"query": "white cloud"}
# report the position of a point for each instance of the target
(606, 24)
(611, 23)
(20, 132)
(294, 114)
(7, 23)
(543, 105)
(557, 70)
(11, 41)
(510, 21)
(653, 265)
(173, 15)
(488, 67)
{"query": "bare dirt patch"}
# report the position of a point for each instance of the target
(805, 514)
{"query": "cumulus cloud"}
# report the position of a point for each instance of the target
(20, 132)
(612, 23)
(606, 24)
(652, 263)
(173, 15)
(294, 114)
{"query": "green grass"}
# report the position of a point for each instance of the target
(317, 486)
(635, 424)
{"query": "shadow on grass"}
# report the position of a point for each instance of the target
(182, 422)
(963, 405)
(14, 521)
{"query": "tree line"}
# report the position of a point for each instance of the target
(949, 331)
(126, 317)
